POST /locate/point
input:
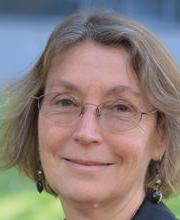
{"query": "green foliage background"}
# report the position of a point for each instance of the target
(19, 200)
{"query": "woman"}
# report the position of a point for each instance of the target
(96, 121)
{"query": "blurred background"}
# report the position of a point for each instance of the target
(25, 26)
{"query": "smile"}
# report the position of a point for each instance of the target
(86, 164)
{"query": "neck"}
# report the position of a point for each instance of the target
(123, 209)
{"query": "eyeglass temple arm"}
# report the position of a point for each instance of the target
(35, 97)
(150, 112)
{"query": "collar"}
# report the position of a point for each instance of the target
(153, 211)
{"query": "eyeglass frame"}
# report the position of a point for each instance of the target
(98, 109)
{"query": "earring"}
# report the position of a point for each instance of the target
(156, 195)
(39, 182)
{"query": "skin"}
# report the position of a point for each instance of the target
(100, 191)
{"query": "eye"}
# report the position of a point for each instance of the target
(121, 108)
(64, 102)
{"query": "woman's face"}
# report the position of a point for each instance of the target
(85, 161)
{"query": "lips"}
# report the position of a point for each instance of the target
(87, 162)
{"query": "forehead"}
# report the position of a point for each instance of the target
(92, 66)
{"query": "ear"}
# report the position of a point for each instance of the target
(161, 140)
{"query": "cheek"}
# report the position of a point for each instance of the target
(131, 147)
(51, 137)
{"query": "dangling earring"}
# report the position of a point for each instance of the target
(156, 193)
(39, 182)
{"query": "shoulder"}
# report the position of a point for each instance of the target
(152, 211)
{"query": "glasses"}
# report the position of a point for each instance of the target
(116, 116)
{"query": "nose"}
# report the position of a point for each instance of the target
(87, 131)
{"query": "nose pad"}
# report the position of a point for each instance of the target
(88, 130)
(97, 110)
(98, 113)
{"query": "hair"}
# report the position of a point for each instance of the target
(155, 69)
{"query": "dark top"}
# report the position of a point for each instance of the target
(152, 211)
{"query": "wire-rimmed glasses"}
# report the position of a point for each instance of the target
(65, 109)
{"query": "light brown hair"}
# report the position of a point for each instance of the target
(156, 71)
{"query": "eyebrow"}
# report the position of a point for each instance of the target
(65, 84)
(122, 89)
(112, 91)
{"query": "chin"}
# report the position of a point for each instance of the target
(82, 194)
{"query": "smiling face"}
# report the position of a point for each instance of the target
(84, 161)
